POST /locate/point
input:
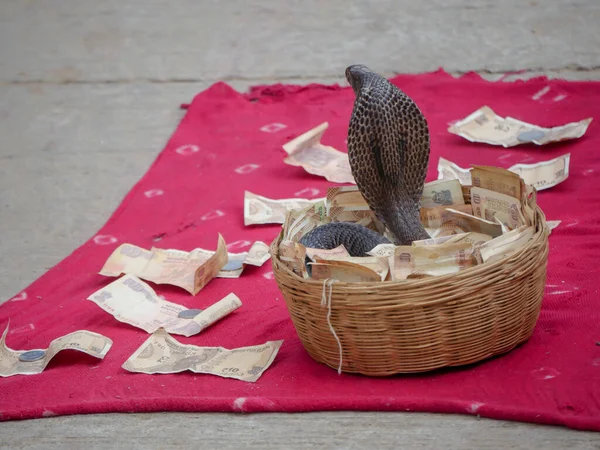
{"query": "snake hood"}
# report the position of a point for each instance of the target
(388, 150)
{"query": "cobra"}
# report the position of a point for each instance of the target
(388, 151)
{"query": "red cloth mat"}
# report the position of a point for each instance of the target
(227, 143)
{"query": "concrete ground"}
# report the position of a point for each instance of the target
(90, 93)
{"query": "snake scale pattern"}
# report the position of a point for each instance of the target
(388, 150)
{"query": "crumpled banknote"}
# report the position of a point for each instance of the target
(130, 300)
(161, 353)
(31, 362)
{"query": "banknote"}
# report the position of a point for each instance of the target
(541, 175)
(382, 250)
(343, 271)
(529, 204)
(466, 190)
(544, 174)
(432, 260)
(334, 253)
(448, 228)
(293, 256)
(448, 239)
(307, 152)
(478, 240)
(428, 230)
(31, 362)
(261, 210)
(470, 237)
(435, 217)
(497, 179)
(298, 223)
(347, 198)
(492, 205)
(188, 270)
(484, 125)
(257, 255)
(455, 237)
(506, 244)
(349, 268)
(447, 170)
(442, 193)
(474, 238)
(448, 235)
(161, 353)
(130, 300)
(571, 130)
(467, 222)
(346, 204)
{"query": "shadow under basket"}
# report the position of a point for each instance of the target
(418, 325)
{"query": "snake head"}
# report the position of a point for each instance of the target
(356, 76)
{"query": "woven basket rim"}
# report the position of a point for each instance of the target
(538, 238)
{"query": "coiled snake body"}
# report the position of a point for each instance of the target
(388, 150)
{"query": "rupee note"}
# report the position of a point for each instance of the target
(461, 222)
(506, 244)
(351, 268)
(188, 270)
(130, 300)
(236, 262)
(442, 193)
(382, 250)
(433, 260)
(435, 217)
(257, 255)
(334, 253)
(161, 353)
(261, 210)
(346, 204)
(31, 362)
(347, 198)
(447, 170)
(497, 179)
(485, 126)
(447, 229)
(466, 191)
(544, 174)
(298, 223)
(429, 231)
(293, 256)
(529, 204)
(449, 239)
(307, 152)
(541, 175)
(573, 130)
(492, 205)
(470, 237)
(343, 271)
(476, 239)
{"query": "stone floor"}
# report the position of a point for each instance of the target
(90, 93)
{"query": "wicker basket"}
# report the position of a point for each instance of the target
(417, 325)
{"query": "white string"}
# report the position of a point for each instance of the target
(326, 301)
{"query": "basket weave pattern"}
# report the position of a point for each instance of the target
(417, 325)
